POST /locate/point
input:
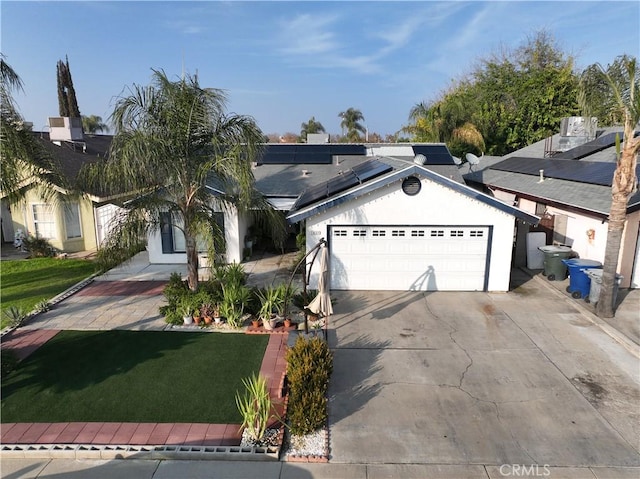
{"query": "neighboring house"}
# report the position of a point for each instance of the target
(77, 224)
(571, 191)
(393, 224)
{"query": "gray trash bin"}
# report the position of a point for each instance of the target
(554, 268)
(596, 285)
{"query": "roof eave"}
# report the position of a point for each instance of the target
(385, 180)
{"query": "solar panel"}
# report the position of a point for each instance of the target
(277, 158)
(435, 154)
(348, 149)
(370, 169)
(313, 149)
(311, 195)
(590, 172)
(590, 147)
(342, 182)
(357, 175)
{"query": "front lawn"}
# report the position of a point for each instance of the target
(133, 376)
(25, 282)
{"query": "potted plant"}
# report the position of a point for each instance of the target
(285, 297)
(196, 316)
(216, 313)
(269, 300)
(206, 310)
(185, 310)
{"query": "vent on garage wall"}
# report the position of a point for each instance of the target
(411, 186)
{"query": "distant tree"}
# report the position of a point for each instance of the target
(288, 137)
(351, 119)
(93, 124)
(509, 101)
(310, 127)
(623, 95)
(67, 101)
(21, 156)
(594, 95)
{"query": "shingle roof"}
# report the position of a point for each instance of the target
(576, 194)
(397, 175)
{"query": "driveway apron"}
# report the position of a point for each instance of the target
(478, 378)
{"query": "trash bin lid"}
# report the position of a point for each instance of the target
(597, 274)
(585, 263)
(551, 248)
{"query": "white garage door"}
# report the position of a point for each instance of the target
(417, 258)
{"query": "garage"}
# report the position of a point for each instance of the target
(409, 258)
(410, 229)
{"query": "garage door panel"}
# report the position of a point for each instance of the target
(409, 258)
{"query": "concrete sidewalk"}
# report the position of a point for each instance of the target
(170, 469)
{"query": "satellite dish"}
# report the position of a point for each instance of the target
(456, 160)
(420, 159)
(472, 159)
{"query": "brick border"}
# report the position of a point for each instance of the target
(157, 440)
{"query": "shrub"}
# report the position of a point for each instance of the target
(255, 407)
(174, 292)
(230, 274)
(15, 315)
(310, 363)
(38, 247)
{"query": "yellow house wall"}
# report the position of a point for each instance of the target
(22, 217)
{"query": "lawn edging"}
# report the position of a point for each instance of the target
(50, 303)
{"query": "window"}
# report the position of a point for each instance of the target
(379, 233)
(456, 233)
(44, 221)
(397, 232)
(359, 232)
(417, 233)
(173, 240)
(340, 233)
(72, 221)
(436, 233)
(476, 233)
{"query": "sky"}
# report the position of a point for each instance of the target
(284, 62)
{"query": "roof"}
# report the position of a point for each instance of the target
(578, 183)
(72, 156)
(398, 175)
(290, 181)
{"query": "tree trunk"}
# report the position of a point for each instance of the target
(624, 183)
(192, 261)
(617, 217)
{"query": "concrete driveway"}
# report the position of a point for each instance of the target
(479, 378)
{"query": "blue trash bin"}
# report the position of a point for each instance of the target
(579, 281)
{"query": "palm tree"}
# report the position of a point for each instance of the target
(172, 139)
(22, 158)
(311, 127)
(351, 119)
(93, 124)
(626, 96)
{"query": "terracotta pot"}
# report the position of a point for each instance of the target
(208, 319)
(287, 323)
(255, 323)
(196, 319)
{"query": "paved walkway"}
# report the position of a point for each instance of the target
(18, 468)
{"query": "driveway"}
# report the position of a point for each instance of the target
(479, 378)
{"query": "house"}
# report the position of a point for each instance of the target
(77, 224)
(408, 223)
(570, 189)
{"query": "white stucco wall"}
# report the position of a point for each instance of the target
(434, 205)
(594, 248)
(234, 243)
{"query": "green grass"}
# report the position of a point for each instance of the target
(132, 376)
(25, 282)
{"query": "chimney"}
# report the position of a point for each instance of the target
(541, 176)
